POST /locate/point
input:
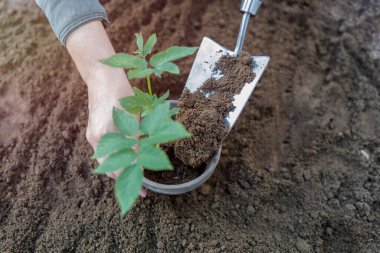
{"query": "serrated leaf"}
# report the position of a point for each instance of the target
(142, 96)
(140, 42)
(150, 44)
(158, 72)
(112, 142)
(139, 73)
(155, 119)
(171, 131)
(127, 61)
(165, 96)
(131, 104)
(146, 112)
(116, 161)
(128, 186)
(171, 54)
(153, 158)
(125, 122)
(169, 67)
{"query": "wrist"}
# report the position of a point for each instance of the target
(107, 83)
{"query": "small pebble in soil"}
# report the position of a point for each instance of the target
(371, 218)
(160, 245)
(250, 209)
(314, 215)
(365, 154)
(214, 242)
(329, 231)
(330, 195)
(215, 205)
(205, 189)
(303, 246)
(307, 175)
(363, 208)
(323, 214)
(350, 207)
(291, 228)
(183, 243)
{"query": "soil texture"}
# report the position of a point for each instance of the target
(181, 173)
(203, 112)
(299, 172)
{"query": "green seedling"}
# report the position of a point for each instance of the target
(137, 144)
(159, 63)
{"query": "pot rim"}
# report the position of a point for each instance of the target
(176, 189)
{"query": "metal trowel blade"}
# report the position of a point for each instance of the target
(208, 55)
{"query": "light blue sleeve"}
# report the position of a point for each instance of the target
(67, 15)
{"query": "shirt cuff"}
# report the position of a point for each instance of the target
(74, 24)
(67, 15)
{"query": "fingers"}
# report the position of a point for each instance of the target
(143, 192)
(111, 175)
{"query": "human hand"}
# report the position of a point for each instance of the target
(87, 45)
(103, 97)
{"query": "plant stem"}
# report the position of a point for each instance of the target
(149, 85)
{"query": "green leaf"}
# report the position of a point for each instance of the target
(158, 72)
(125, 122)
(141, 102)
(146, 112)
(116, 161)
(112, 142)
(173, 112)
(128, 186)
(171, 54)
(131, 104)
(153, 158)
(144, 98)
(171, 131)
(140, 42)
(127, 61)
(139, 73)
(169, 67)
(155, 120)
(150, 44)
(165, 96)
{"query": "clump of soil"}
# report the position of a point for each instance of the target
(203, 112)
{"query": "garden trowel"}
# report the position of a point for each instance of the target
(202, 70)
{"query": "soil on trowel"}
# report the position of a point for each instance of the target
(203, 112)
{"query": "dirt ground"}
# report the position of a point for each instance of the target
(300, 172)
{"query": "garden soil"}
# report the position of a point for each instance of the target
(300, 171)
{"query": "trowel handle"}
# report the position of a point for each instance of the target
(249, 8)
